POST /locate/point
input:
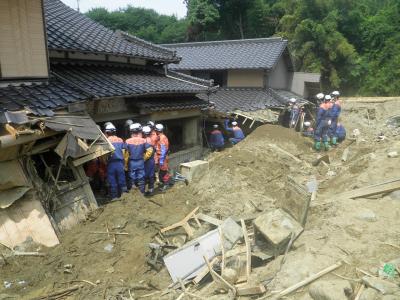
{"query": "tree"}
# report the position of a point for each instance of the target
(202, 17)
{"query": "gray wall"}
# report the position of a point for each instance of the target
(299, 80)
(280, 77)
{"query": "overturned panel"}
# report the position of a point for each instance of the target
(24, 220)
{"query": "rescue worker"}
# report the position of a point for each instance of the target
(238, 134)
(217, 141)
(162, 150)
(139, 151)
(320, 97)
(149, 164)
(335, 113)
(294, 112)
(323, 124)
(340, 132)
(153, 134)
(308, 130)
(115, 165)
(127, 129)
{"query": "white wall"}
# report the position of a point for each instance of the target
(299, 80)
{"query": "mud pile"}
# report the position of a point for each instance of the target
(243, 180)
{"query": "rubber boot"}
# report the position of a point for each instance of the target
(326, 146)
(334, 141)
(317, 145)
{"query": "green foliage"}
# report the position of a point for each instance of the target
(354, 44)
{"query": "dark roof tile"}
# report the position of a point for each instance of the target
(261, 53)
(69, 30)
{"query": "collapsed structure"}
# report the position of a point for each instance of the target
(61, 73)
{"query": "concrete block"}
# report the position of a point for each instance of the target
(194, 170)
(232, 232)
(276, 227)
(382, 286)
(330, 290)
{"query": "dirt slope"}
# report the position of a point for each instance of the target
(251, 174)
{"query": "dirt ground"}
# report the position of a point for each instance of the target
(243, 180)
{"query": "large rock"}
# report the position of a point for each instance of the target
(369, 294)
(194, 170)
(276, 227)
(383, 286)
(330, 290)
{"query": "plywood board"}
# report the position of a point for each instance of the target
(26, 219)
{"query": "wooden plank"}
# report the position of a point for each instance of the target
(377, 189)
(203, 273)
(218, 277)
(307, 208)
(250, 290)
(208, 219)
(248, 250)
(345, 154)
(221, 238)
(305, 281)
(279, 149)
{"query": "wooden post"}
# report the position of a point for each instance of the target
(248, 250)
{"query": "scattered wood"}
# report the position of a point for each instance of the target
(380, 188)
(203, 273)
(324, 158)
(279, 149)
(221, 238)
(359, 293)
(85, 281)
(208, 219)
(109, 232)
(307, 208)
(306, 281)
(184, 223)
(287, 249)
(394, 246)
(18, 253)
(250, 290)
(149, 295)
(345, 154)
(248, 250)
(218, 277)
(59, 293)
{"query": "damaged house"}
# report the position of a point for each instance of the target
(256, 77)
(62, 75)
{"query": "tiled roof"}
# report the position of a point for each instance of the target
(228, 100)
(69, 30)
(39, 98)
(230, 54)
(111, 81)
(173, 104)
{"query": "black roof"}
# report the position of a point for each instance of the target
(228, 100)
(261, 53)
(69, 30)
(103, 80)
(39, 98)
(153, 105)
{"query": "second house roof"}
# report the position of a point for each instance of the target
(261, 53)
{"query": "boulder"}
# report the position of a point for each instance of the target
(383, 286)
(369, 294)
(330, 290)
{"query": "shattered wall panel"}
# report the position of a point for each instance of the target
(26, 219)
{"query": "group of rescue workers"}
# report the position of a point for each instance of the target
(217, 140)
(328, 131)
(136, 160)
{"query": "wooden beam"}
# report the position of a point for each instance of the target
(250, 290)
(218, 277)
(279, 149)
(387, 187)
(248, 250)
(208, 219)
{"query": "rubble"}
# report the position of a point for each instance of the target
(330, 290)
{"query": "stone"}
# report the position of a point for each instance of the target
(383, 286)
(393, 154)
(232, 232)
(395, 195)
(367, 215)
(3, 261)
(276, 227)
(230, 275)
(369, 294)
(193, 171)
(330, 290)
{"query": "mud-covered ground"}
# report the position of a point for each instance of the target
(242, 180)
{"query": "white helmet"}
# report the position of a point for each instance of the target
(146, 129)
(135, 127)
(307, 124)
(320, 96)
(110, 128)
(215, 126)
(328, 98)
(159, 127)
(292, 100)
(234, 123)
(335, 94)
(150, 124)
(128, 123)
